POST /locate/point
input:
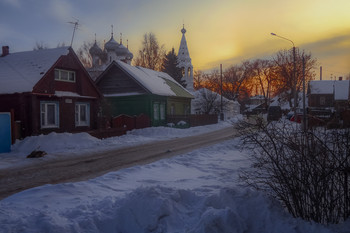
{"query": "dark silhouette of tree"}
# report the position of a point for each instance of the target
(236, 80)
(40, 45)
(151, 54)
(198, 79)
(84, 54)
(283, 62)
(170, 66)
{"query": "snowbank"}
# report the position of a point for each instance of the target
(195, 192)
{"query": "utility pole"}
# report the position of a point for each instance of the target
(294, 75)
(221, 107)
(304, 109)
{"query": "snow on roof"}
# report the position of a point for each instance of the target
(154, 81)
(70, 94)
(321, 87)
(340, 88)
(19, 72)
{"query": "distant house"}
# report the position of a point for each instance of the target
(209, 102)
(134, 90)
(256, 104)
(48, 91)
(328, 95)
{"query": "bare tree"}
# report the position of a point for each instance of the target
(264, 78)
(151, 54)
(307, 171)
(284, 64)
(347, 77)
(234, 79)
(84, 54)
(40, 45)
(198, 78)
(62, 44)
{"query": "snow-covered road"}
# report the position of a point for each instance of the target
(198, 192)
(91, 165)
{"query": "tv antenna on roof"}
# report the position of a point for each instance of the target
(76, 25)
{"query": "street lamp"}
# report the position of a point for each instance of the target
(294, 71)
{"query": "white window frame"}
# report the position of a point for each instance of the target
(78, 114)
(156, 111)
(322, 100)
(44, 113)
(60, 75)
(162, 111)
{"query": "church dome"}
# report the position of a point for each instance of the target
(129, 55)
(122, 50)
(111, 44)
(95, 50)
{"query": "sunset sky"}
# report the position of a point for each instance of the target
(226, 31)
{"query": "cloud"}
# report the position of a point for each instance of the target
(14, 3)
(330, 47)
(61, 10)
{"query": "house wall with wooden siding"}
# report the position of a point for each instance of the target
(27, 105)
(83, 84)
(115, 81)
(315, 100)
(182, 106)
(134, 106)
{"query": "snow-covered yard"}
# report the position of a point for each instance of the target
(195, 192)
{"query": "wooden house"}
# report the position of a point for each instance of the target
(48, 90)
(134, 90)
(328, 96)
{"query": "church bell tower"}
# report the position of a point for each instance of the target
(184, 62)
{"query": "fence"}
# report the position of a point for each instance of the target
(194, 120)
(131, 122)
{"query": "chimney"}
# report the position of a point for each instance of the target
(5, 51)
(340, 78)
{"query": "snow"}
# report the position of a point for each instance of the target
(340, 88)
(195, 192)
(70, 94)
(321, 87)
(19, 72)
(150, 79)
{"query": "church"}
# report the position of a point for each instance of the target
(184, 61)
(202, 96)
(113, 51)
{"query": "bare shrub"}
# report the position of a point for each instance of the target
(306, 171)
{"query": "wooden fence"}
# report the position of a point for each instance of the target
(131, 122)
(194, 120)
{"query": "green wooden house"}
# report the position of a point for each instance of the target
(134, 90)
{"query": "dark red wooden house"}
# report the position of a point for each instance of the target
(47, 91)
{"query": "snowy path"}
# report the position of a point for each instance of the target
(196, 192)
(95, 164)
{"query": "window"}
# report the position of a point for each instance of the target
(186, 109)
(172, 109)
(82, 114)
(64, 75)
(322, 100)
(156, 111)
(162, 111)
(49, 114)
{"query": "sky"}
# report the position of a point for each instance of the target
(218, 32)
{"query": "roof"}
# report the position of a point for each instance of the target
(340, 88)
(19, 72)
(158, 83)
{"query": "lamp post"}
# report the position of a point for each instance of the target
(294, 71)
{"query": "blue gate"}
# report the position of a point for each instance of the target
(5, 132)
